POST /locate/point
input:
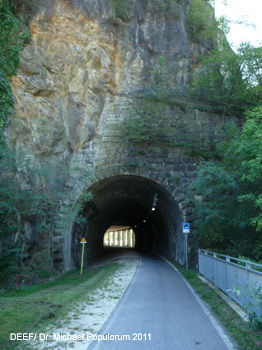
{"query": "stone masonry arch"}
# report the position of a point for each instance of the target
(173, 198)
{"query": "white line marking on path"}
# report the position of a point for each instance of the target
(219, 329)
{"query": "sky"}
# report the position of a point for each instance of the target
(251, 11)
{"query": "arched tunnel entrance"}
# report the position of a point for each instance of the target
(127, 200)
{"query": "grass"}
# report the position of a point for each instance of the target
(31, 309)
(241, 332)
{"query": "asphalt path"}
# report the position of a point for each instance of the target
(159, 312)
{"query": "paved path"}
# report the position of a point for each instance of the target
(161, 310)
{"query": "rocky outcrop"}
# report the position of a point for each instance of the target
(80, 54)
(85, 58)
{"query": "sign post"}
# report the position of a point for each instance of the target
(186, 230)
(83, 241)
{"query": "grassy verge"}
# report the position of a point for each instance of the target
(245, 336)
(30, 309)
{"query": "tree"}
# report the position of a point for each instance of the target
(14, 36)
(223, 223)
(229, 216)
(229, 82)
(31, 194)
(202, 25)
(249, 150)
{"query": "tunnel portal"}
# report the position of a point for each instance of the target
(127, 200)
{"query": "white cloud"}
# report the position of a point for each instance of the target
(249, 10)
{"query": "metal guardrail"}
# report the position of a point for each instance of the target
(240, 279)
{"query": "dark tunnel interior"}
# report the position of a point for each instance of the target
(127, 201)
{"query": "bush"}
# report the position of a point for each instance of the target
(9, 262)
(122, 8)
(202, 25)
(14, 36)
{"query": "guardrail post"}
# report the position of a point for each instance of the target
(248, 267)
(199, 260)
(215, 267)
(227, 261)
(206, 263)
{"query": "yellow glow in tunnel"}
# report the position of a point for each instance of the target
(119, 236)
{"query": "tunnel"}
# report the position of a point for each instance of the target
(128, 200)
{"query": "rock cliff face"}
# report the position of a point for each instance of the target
(85, 58)
(80, 55)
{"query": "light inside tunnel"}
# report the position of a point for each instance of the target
(126, 200)
(119, 237)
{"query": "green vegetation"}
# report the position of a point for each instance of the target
(223, 81)
(247, 337)
(148, 121)
(121, 8)
(254, 297)
(49, 303)
(228, 82)
(35, 202)
(229, 174)
(157, 120)
(30, 187)
(14, 36)
(169, 7)
(202, 26)
(231, 190)
(28, 212)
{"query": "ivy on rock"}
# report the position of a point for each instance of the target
(13, 38)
